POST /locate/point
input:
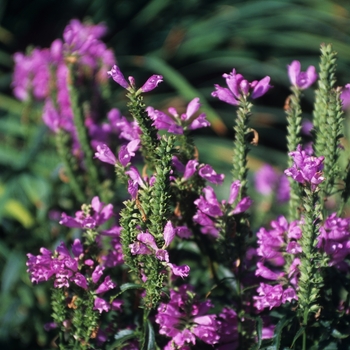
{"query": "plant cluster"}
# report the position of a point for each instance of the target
(158, 261)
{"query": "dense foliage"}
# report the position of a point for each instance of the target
(40, 179)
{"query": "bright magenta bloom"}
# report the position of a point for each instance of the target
(238, 86)
(302, 80)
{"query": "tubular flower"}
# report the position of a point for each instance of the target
(176, 124)
(184, 319)
(301, 80)
(151, 83)
(84, 220)
(238, 86)
(146, 245)
(306, 169)
(273, 245)
(209, 208)
(334, 240)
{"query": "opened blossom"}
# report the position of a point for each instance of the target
(209, 208)
(238, 87)
(268, 181)
(299, 79)
(273, 246)
(184, 319)
(146, 245)
(126, 152)
(96, 216)
(62, 266)
(151, 83)
(176, 124)
(334, 240)
(104, 154)
(306, 169)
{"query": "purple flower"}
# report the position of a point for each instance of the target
(80, 280)
(190, 169)
(306, 169)
(77, 248)
(345, 97)
(118, 76)
(104, 154)
(243, 205)
(228, 332)
(266, 179)
(260, 87)
(168, 234)
(151, 83)
(210, 209)
(183, 232)
(334, 240)
(49, 326)
(164, 122)
(126, 130)
(238, 86)
(97, 273)
(50, 116)
(101, 214)
(209, 205)
(306, 127)
(175, 123)
(181, 271)
(283, 190)
(82, 39)
(183, 319)
(208, 173)
(301, 80)
(273, 246)
(101, 305)
(189, 119)
(105, 286)
(266, 273)
(128, 151)
(60, 265)
(269, 296)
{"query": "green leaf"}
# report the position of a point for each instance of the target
(278, 331)
(11, 272)
(34, 146)
(259, 325)
(151, 344)
(122, 337)
(10, 104)
(12, 208)
(297, 335)
(127, 286)
(338, 335)
(35, 188)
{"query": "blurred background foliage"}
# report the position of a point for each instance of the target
(191, 43)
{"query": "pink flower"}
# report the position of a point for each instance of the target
(118, 76)
(101, 305)
(302, 80)
(238, 86)
(151, 83)
(306, 169)
(104, 154)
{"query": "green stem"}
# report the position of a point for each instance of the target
(145, 329)
(311, 278)
(241, 149)
(78, 118)
(65, 154)
(149, 135)
(293, 140)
